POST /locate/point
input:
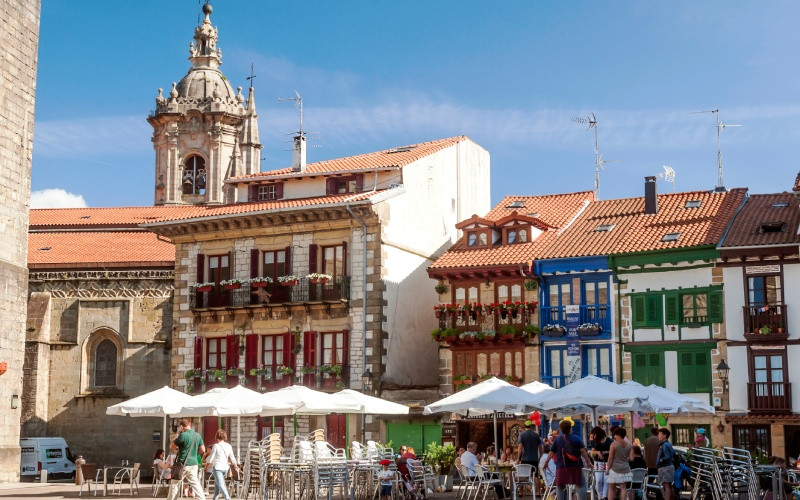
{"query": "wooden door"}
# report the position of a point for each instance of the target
(337, 430)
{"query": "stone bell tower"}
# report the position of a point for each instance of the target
(203, 132)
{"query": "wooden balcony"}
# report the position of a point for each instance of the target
(273, 294)
(757, 317)
(769, 397)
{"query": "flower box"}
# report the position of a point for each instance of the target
(205, 288)
(319, 278)
(450, 339)
(290, 283)
(507, 337)
(232, 286)
(258, 284)
(319, 281)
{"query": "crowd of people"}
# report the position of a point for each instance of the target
(190, 454)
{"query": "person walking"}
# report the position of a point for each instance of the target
(651, 446)
(530, 446)
(599, 453)
(618, 470)
(567, 451)
(189, 443)
(220, 459)
(666, 469)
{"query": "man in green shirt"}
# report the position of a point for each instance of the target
(189, 444)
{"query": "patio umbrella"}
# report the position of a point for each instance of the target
(490, 396)
(159, 403)
(593, 395)
(310, 402)
(662, 400)
(372, 405)
(236, 402)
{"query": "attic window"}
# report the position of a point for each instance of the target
(780, 204)
(85, 216)
(693, 204)
(402, 149)
(604, 227)
(671, 237)
(45, 249)
(516, 204)
(773, 227)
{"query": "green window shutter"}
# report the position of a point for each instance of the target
(694, 371)
(702, 368)
(673, 308)
(653, 310)
(639, 368)
(639, 316)
(656, 362)
(715, 306)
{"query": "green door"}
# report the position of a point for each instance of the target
(416, 435)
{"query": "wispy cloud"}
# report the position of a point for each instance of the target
(56, 198)
(92, 138)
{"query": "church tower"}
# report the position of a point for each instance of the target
(203, 132)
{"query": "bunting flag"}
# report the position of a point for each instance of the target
(661, 419)
(638, 423)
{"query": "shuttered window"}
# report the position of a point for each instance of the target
(694, 371)
(647, 310)
(648, 368)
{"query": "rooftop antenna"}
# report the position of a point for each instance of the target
(720, 187)
(298, 103)
(668, 175)
(599, 162)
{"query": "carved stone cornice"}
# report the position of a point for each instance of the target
(103, 284)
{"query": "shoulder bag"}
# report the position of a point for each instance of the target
(177, 469)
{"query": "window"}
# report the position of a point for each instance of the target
(333, 261)
(560, 295)
(604, 227)
(472, 239)
(683, 435)
(517, 234)
(523, 236)
(194, 175)
(693, 204)
(597, 361)
(218, 269)
(671, 237)
(753, 438)
(764, 290)
(274, 264)
(509, 292)
(768, 374)
(269, 425)
(482, 238)
(334, 348)
(699, 307)
(694, 309)
(647, 310)
(511, 237)
(595, 296)
(694, 371)
(516, 204)
(648, 368)
(216, 353)
(105, 364)
(268, 192)
(773, 227)
(556, 367)
(272, 351)
(345, 185)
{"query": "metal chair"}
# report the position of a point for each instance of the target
(549, 484)
(637, 485)
(522, 477)
(485, 481)
(422, 476)
(91, 475)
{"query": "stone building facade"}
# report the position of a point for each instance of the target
(20, 40)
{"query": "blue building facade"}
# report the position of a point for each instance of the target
(588, 283)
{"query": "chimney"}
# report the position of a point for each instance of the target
(299, 153)
(650, 195)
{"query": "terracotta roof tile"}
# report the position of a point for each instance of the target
(43, 218)
(86, 249)
(387, 159)
(555, 210)
(780, 210)
(635, 231)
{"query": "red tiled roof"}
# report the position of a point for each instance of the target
(760, 209)
(60, 218)
(93, 249)
(381, 160)
(555, 210)
(635, 231)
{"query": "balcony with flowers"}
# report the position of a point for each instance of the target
(265, 292)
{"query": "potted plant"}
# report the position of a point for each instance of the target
(440, 309)
(235, 372)
(530, 331)
(490, 335)
(450, 335)
(765, 330)
(282, 370)
(531, 285)
(555, 330)
(336, 370)
(467, 337)
(441, 459)
(260, 281)
(531, 305)
(218, 375)
(437, 334)
(308, 370)
(289, 280)
(318, 278)
(231, 284)
(204, 287)
(440, 288)
(193, 374)
(507, 333)
(265, 372)
(460, 381)
(589, 329)
(479, 336)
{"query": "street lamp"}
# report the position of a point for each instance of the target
(722, 370)
(366, 380)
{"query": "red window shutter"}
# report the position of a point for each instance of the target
(288, 261)
(310, 349)
(344, 259)
(346, 348)
(230, 265)
(252, 192)
(198, 352)
(330, 185)
(201, 268)
(251, 357)
(312, 258)
(359, 182)
(255, 254)
(279, 190)
(232, 354)
(288, 348)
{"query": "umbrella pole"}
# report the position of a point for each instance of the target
(238, 436)
(494, 421)
(164, 436)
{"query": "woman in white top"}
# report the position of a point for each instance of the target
(219, 458)
(163, 466)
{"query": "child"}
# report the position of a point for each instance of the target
(386, 477)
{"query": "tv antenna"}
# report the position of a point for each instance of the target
(720, 127)
(298, 103)
(668, 175)
(599, 162)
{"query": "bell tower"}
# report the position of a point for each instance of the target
(203, 131)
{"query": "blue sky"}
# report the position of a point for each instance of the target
(375, 75)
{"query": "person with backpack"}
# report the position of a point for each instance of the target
(567, 451)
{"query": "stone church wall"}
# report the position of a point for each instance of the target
(19, 39)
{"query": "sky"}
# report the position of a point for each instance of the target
(510, 75)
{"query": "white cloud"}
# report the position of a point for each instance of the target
(56, 198)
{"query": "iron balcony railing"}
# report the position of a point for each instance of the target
(589, 313)
(769, 397)
(274, 293)
(758, 317)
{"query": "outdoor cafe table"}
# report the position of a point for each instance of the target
(111, 468)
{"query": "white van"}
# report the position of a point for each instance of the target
(49, 453)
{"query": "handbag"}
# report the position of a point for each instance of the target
(177, 469)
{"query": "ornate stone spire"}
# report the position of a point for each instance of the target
(251, 144)
(203, 51)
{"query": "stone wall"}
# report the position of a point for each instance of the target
(19, 39)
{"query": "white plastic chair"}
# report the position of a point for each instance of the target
(522, 477)
(470, 482)
(485, 481)
(549, 483)
(638, 484)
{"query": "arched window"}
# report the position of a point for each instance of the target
(194, 175)
(105, 364)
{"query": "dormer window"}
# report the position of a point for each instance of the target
(476, 238)
(773, 227)
(693, 204)
(671, 237)
(511, 236)
(348, 184)
(472, 239)
(516, 235)
(265, 192)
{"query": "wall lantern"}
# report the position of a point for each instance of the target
(723, 370)
(366, 380)
(721, 427)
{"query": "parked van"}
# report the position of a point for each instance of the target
(49, 453)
